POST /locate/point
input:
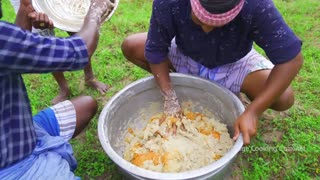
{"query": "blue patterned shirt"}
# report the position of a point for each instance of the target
(259, 21)
(24, 52)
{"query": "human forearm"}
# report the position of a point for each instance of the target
(278, 81)
(90, 34)
(90, 29)
(161, 75)
(23, 20)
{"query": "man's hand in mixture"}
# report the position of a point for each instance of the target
(172, 108)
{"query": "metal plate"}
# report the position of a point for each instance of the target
(64, 20)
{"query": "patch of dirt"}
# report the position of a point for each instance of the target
(105, 176)
(126, 80)
(309, 112)
(81, 86)
(81, 137)
(103, 99)
(273, 136)
(237, 168)
(244, 99)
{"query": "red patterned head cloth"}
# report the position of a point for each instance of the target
(215, 18)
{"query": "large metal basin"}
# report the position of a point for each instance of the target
(135, 104)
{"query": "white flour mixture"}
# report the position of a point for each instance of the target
(198, 141)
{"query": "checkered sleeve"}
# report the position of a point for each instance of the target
(25, 52)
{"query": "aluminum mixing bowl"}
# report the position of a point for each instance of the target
(137, 102)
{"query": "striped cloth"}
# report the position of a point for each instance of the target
(215, 19)
(229, 75)
(66, 117)
(52, 158)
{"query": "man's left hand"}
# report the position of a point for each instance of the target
(247, 124)
(40, 21)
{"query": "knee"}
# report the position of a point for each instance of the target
(127, 47)
(285, 101)
(93, 105)
(90, 104)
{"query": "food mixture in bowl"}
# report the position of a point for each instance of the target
(170, 144)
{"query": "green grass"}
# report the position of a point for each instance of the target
(296, 155)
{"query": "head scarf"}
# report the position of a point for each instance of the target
(218, 6)
(216, 12)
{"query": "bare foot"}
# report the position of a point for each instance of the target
(62, 96)
(101, 87)
(244, 99)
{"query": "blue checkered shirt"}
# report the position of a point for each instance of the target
(24, 52)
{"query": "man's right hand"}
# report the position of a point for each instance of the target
(171, 108)
(100, 9)
(171, 103)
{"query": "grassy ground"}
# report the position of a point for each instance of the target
(287, 145)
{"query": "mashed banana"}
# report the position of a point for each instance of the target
(177, 145)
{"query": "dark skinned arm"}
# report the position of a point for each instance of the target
(278, 81)
(161, 75)
(90, 34)
(23, 15)
(90, 29)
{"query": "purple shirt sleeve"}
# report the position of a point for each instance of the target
(272, 34)
(161, 32)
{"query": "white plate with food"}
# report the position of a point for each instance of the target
(68, 15)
